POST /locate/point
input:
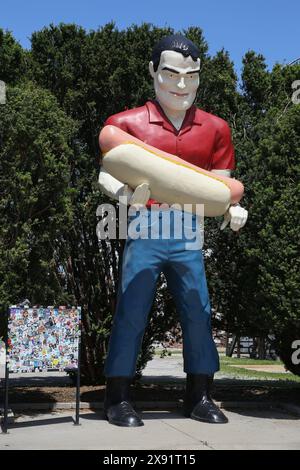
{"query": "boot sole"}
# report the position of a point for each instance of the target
(123, 425)
(203, 420)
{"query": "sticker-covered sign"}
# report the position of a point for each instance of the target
(43, 339)
(2, 359)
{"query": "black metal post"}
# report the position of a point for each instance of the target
(78, 384)
(6, 380)
(5, 416)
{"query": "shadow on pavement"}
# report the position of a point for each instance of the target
(145, 415)
(41, 422)
(39, 380)
(162, 379)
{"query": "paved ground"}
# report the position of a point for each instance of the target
(247, 429)
(168, 369)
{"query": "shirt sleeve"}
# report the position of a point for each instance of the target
(116, 120)
(223, 155)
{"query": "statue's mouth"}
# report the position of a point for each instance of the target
(178, 94)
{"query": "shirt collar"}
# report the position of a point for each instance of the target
(157, 116)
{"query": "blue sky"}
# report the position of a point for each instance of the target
(270, 27)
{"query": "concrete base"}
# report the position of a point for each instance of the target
(247, 429)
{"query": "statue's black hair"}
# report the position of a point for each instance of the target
(177, 43)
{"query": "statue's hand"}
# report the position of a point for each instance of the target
(127, 191)
(237, 216)
(140, 195)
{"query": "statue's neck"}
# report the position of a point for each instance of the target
(175, 116)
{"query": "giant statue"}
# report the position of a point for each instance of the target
(167, 151)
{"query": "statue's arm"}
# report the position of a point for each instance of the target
(224, 155)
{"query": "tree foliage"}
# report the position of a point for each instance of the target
(59, 95)
(36, 198)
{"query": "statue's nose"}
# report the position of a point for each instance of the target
(181, 83)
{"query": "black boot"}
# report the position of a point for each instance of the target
(198, 403)
(117, 406)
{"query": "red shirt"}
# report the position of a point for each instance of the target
(203, 139)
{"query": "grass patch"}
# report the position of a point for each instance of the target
(246, 361)
(226, 368)
(236, 372)
(254, 374)
(226, 364)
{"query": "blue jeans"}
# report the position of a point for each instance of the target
(143, 261)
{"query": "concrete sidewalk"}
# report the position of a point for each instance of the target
(247, 429)
(251, 426)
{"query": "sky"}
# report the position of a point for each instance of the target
(269, 27)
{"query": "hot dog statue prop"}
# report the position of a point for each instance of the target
(171, 179)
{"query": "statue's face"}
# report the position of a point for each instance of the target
(176, 80)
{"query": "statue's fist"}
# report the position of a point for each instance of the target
(127, 191)
(237, 216)
(140, 195)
